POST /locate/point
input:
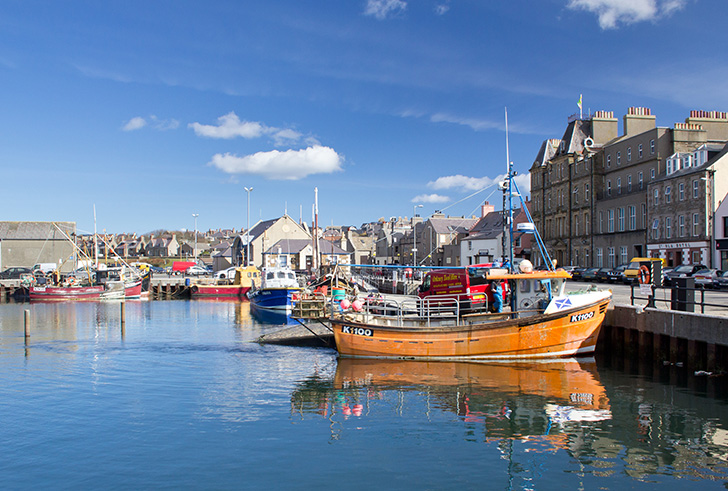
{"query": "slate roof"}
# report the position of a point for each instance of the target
(35, 230)
(488, 227)
(295, 246)
(457, 225)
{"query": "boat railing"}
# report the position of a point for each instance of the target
(402, 308)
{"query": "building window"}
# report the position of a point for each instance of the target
(586, 223)
(609, 187)
(623, 255)
(601, 222)
(639, 150)
(656, 228)
(668, 194)
(612, 259)
(620, 218)
(640, 180)
(695, 188)
(681, 225)
(619, 158)
(652, 147)
(576, 224)
(668, 227)
(576, 195)
(609, 161)
(619, 185)
(652, 174)
(696, 257)
(696, 224)
(644, 215)
(656, 196)
(633, 217)
(629, 183)
(681, 191)
(629, 154)
(586, 193)
(600, 259)
(610, 220)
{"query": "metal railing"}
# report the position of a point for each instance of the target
(679, 299)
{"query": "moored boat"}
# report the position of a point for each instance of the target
(245, 279)
(278, 290)
(561, 325)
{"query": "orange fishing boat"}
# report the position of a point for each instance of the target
(551, 323)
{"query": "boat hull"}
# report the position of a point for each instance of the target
(572, 332)
(62, 293)
(219, 291)
(274, 298)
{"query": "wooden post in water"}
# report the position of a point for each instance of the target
(123, 313)
(26, 324)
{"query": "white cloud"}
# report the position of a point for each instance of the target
(476, 124)
(430, 198)
(290, 165)
(463, 183)
(611, 13)
(135, 124)
(467, 184)
(156, 123)
(230, 126)
(442, 9)
(381, 9)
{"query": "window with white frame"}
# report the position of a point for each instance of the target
(656, 196)
(620, 218)
(576, 224)
(610, 220)
(586, 193)
(668, 227)
(629, 154)
(576, 195)
(600, 259)
(633, 217)
(586, 257)
(619, 158)
(612, 258)
(656, 228)
(696, 224)
(641, 181)
(681, 225)
(668, 193)
(643, 207)
(623, 255)
(619, 185)
(629, 183)
(586, 223)
(652, 174)
(696, 192)
(639, 150)
(652, 147)
(609, 161)
(601, 222)
(609, 187)
(681, 191)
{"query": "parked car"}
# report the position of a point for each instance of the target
(607, 275)
(576, 274)
(721, 281)
(228, 273)
(590, 274)
(706, 278)
(196, 271)
(620, 276)
(682, 271)
(14, 273)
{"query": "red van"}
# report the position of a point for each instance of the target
(469, 285)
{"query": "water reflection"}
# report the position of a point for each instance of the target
(529, 409)
(272, 317)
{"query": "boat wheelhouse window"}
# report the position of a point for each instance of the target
(291, 276)
(270, 276)
(524, 286)
(281, 274)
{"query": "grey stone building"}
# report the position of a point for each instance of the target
(23, 244)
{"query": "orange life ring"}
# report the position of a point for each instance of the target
(644, 275)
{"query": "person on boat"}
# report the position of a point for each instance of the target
(497, 292)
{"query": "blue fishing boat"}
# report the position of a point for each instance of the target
(279, 289)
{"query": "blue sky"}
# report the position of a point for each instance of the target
(155, 110)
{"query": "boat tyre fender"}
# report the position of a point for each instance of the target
(644, 275)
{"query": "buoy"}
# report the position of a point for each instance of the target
(357, 305)
(345, 304)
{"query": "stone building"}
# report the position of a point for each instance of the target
(23, 244)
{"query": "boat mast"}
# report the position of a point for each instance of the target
(96, 242)
(509, 166)
(316, 253)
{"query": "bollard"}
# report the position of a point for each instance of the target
(123, 313)
(27, 323)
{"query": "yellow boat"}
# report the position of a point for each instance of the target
(548, 322)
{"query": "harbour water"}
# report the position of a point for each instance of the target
(183, 398)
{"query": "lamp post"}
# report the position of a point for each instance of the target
(247, 231)
(195, 215)
(414, 236)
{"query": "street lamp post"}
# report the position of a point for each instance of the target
(195, 215)
(414, 236)
(247, 231)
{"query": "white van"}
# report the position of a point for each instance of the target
(45, 268)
